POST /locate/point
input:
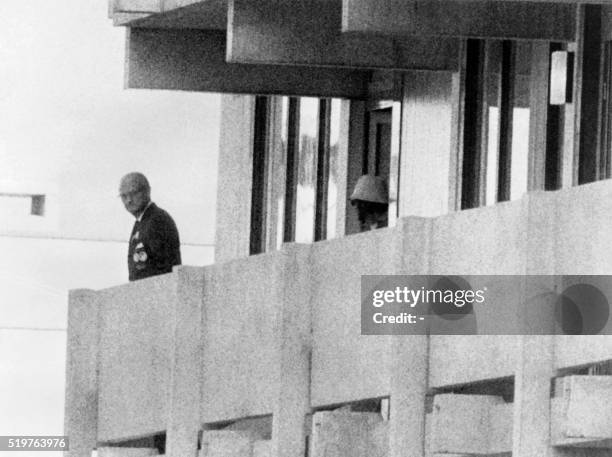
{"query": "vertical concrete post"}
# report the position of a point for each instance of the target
(535, 364)
(294, 339)
(538, 116)
(81, 403)
(235, 178)
(410, 353)
(408, 391)
(355, 143)
(343, 163)
(531, 426)
(186, 378)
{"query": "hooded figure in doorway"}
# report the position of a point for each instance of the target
(371, 198)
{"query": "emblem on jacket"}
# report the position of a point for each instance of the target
(140, 255)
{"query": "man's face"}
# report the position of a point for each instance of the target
(134, 196)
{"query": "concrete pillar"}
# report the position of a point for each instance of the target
(293, 400)
(186, 380)
(531, 431)
(81, 405)
(538, 117)
(235, 178)
(535, 364)
(410, 353)
(408, 391)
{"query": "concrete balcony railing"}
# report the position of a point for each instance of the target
(279, 334)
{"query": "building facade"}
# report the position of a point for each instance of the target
(490, 122)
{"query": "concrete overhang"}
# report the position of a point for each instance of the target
(309, 34)
(194, 60)
(290, 47)
(519, 19)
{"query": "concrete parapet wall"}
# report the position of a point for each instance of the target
(279, 334)
(240, 356)
(135, 356)
(346, 365)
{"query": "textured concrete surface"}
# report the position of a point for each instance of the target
(257, 314)
(344, 433)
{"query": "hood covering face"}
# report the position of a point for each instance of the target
(371, 188)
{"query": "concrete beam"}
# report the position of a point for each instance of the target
(177, 14)
(485, 19)
(126, 19)
(136, 6)
(309, 33)
(172, 4)
(195, 60)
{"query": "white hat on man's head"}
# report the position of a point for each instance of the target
(370, 188)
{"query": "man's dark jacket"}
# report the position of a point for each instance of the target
(154, 244)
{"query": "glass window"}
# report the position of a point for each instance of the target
(295, 171)
(520, 120)
(496, 122)
(333, 179)
(258, 189)
(277, 174)
(306, 164)
(492, 99)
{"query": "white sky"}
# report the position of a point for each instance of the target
(66, 122)
(65, 119)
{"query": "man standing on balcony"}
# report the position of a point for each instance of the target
(154, 243)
